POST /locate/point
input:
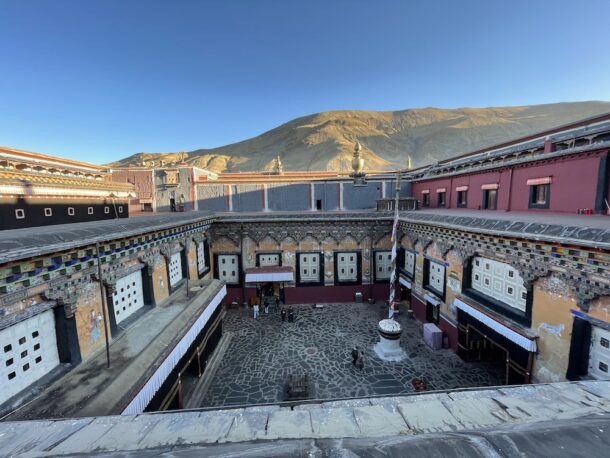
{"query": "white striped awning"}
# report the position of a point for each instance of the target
(441, 189)
(513, 336)
(145, 395)
(537, 181)
(432, 299)
(461, 188)
(269, 274)
(426, 191)
(404, 282)
(490, 186)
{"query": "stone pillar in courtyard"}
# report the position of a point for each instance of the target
(388, 348)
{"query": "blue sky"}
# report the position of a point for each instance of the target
(101, 80)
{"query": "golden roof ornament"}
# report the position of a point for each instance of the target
(278, 170)
(358, 166)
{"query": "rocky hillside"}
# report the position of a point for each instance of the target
(325, 141)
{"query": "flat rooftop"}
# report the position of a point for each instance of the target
(567, 228)
(558, 420)
(35, 241)
(593, 230)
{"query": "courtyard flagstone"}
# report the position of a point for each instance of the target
(263, 353)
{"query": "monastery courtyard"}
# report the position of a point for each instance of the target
(256, 357)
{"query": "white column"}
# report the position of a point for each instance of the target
(312, 196)
(230, 194)
(265, 198)
(341, 196)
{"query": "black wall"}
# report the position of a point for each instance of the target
(34, 212)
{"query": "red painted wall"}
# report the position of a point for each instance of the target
(234, 295)
(329, 294)
(450, 331)
(419, 309)
(574, 184)
(582, 171)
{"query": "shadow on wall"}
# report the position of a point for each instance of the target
(295, 196)
(24, 212)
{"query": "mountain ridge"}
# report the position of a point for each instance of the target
(325, 140)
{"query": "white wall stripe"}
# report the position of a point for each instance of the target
(144, 396)
(522, 341)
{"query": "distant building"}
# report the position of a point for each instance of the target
(162, 189)
(39, 190)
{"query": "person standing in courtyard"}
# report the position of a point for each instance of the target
(283, 314)
(354, 355)
(255, 309)
(266, 306)
(360, 360)
(290, 315)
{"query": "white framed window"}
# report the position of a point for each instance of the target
(499, 281)
(28, 351)
(436, 276)
(175, 269)
(128, 296)
(200, 257)
(106, 210)
(268, 259)
(48, 212)
(71, 211)
(90, 210)
(121, 209)
(228, 268)
(409, 263)
(347, 266)
(383, 265)
(20, 213)
(599, 354)
(309, 267)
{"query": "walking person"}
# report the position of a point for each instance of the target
(360, 361)
(283, 314)
(354, 356)
(290, 315)
(255, 309)
(266, 307)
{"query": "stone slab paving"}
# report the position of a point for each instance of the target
(264, 352)
(389, 419)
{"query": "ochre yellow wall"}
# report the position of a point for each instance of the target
(191, 259)
(552, 321)
(160, 280)
(89, 319)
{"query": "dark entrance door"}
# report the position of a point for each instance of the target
(431, 313)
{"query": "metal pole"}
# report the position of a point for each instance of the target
(104, 304)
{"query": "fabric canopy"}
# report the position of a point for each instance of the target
(537, 181)
(270, 273)
(462, 188)
(426, 191)
(490, 186)
(513, 336)
(441, 189)
(403, 281)
(433, 300)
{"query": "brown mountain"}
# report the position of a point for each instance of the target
(325, 141)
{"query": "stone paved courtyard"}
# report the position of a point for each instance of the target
(262, 354)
